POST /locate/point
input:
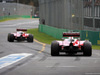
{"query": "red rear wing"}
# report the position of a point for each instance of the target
(73, 34)
(21, 29)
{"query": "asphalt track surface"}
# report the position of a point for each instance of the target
(41, 62)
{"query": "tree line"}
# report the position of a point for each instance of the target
(28, 2)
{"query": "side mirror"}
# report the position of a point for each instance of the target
(62, 38)
(79, 39)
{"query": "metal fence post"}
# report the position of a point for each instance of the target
(82, 15)
(93, 14)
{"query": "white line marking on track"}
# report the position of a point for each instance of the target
(62, 66)
(97, 54)
(95, 61)
(82, 58)
(92, 73)
(12, 58)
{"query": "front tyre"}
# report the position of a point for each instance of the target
(55, 48)
(30, 38)
(87, 49)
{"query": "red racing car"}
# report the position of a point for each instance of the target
(20, 35)
(71, 45)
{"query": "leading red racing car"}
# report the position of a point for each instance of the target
(71, 45)
(20, 35)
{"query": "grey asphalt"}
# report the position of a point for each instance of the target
(42, 63)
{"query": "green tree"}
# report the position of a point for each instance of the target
(35, 2)
(28, 2)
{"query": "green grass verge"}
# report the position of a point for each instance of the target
(96, 47)
(7, 19)
(42, 37)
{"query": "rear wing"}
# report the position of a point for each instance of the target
(72, 34)
(21, 29)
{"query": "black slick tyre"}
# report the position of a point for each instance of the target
(10, 37)
(87, 49)
(30, 38)
(55, 48)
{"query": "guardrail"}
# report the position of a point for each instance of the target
(93, 36)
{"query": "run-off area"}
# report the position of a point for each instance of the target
(12, 58)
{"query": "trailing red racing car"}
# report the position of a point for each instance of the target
(71, 46)
(20, 35)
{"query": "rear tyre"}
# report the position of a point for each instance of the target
(30, 38)
(55, 48)
(10, 37)
(87, 49)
